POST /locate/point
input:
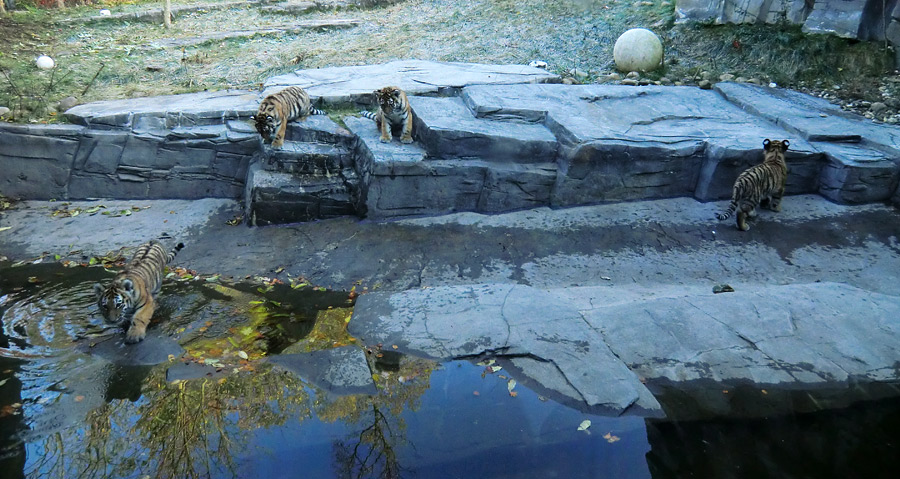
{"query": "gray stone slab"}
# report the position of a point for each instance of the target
(281, 198)
(417, 77)
(447, 128)
(292, 28)
(154, 349)
(795, 334)
(843, 18)
(308, 158)
(502, 320)
(746, 11)
(857, 175)
(189, 109)
(319, 128)
(341, 371)
(621, 142)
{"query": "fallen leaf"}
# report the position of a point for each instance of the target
(610, 438)
(476, 393)
(394, 346)
(5, 228)
(79, 398)
(494, 369)
(243, 355)
(606, 278)
(171, 357)
(584, 425)
(3, 382)
(510, 385)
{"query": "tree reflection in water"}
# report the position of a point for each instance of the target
(373, 451)
(201, 427)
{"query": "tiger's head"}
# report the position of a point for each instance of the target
(265, 125)
(116, 300)
(390, 98)
(775, 148)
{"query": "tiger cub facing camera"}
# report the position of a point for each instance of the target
(763, 181)
(393, 113)
(131, 296)
(277, 109)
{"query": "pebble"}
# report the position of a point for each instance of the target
(740, 80)
(579, 74)
(643, 82)
(705, 84)
(665, 80)
(726, 77)
(633, 75)
(569, 81)
(878, 108)
(4, 111)
(67, 102)
(629, 81)
(614, 76)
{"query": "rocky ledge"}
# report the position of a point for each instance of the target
(489, 138)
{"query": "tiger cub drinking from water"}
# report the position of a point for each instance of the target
(763, 181)
(393, 113)
(131, 296)
(279, 108)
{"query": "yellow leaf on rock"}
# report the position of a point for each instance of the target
(584, 425)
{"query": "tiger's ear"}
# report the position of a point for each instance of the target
(766, 143)
(786, 144)
(127, 284)
(98, 289)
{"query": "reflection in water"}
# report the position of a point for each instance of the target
(855, 442)
(67, 413)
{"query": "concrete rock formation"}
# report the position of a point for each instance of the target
(489, 139)
(877, 20)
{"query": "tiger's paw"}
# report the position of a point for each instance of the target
(385, 139)
(406, 140)
(134, 336)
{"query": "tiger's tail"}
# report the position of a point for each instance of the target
(174, 251)
(316, 111)
(369, 115)
(728, 212)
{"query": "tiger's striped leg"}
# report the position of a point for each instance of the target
(742, 221)
(775, 202)
(385, 128)
(278, 142)
(406, 136)
(139, 322)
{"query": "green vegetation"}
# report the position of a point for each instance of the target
(120, 59)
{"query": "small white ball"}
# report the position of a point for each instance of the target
(45, 63)
(105, 13)
(638, 49)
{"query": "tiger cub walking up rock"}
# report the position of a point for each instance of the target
(279, 108)
(393, 113)
(131, 296)
(763, 181)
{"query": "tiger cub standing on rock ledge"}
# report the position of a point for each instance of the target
(131, 296)
(277, 109)
(393, 112)
(763, 181)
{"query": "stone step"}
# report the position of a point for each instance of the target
(402, 180)
(447, 128)
(279, 198)
(319, 128)
(303, 159)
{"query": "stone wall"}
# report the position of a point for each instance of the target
(860, 19)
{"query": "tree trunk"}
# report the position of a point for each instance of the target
(167, 14)
(2, 8)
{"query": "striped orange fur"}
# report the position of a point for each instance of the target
(757, 183)
(131, 296)
(393, 113)
(279, 108)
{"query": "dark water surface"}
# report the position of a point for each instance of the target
(72, 405)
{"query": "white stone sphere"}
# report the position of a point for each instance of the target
(105, 13)
(638, 49)
(44, 62)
